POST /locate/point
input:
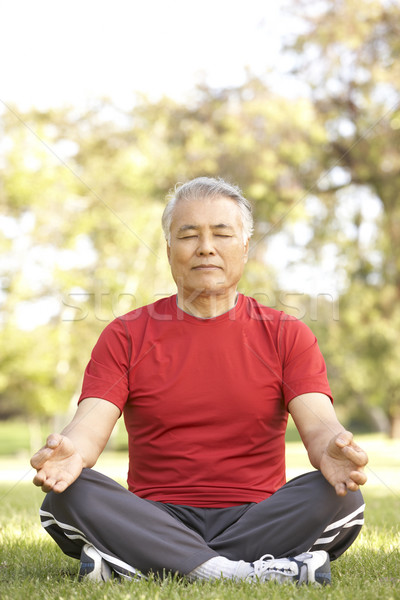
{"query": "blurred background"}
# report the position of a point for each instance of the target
(105, 106)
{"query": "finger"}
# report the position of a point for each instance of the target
(49, 484)
(344, 439)
(60, 486)
(345, 442)
(38, 459)
(356, 455)
(39, 479)
(53, 440)
(355, 479)
(351, 485)
(359, 477)
(341, 489)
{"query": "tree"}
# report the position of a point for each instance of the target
(81, 213)
(348, 55)
(90, 189)
(72, 252)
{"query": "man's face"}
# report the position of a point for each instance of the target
(207, 253)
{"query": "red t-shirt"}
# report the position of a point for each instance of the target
(205, 400)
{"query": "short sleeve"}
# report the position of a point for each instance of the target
(106, 375)
(304, 369)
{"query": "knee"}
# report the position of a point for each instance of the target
(327, 497)
(353, 501)
(53, 501)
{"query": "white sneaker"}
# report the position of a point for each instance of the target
(308, 567)
(93, 567)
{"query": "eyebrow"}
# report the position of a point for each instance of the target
(196, 227)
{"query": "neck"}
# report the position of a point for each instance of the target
(206, 306)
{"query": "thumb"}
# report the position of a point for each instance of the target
(54, 440)
(343, 439)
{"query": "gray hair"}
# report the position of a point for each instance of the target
(208, 187)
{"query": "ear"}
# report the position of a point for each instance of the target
(246, 252)
(169, 253)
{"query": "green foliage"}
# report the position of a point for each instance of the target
(81, 197)
(14, 437)
(348, 57)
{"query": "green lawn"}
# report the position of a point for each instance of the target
(32, 567)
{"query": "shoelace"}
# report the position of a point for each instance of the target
(268, 563)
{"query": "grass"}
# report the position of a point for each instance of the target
(14, 436)
(32, 567)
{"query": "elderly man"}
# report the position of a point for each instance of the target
(205, 380)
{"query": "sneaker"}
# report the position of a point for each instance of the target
(308, 567)
(93, 567)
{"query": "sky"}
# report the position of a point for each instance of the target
(55, 52)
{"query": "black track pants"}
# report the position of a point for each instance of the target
(136, 534)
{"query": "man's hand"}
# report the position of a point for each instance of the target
(58, 464)
(342, 463)
(330, 447)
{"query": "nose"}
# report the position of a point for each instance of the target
(205, 246)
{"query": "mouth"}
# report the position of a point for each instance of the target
(205, 268)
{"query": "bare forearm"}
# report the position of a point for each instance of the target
(86, 443)
(91, 428)
(317, 423)
(330, 447)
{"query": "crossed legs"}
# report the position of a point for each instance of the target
(133, 534)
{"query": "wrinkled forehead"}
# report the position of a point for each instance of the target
(206, 210)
